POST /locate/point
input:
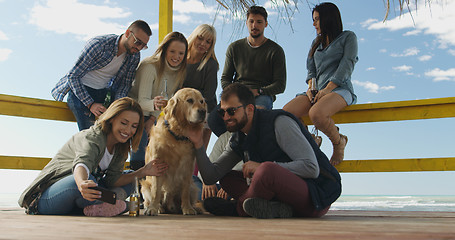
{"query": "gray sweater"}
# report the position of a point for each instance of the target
(205, 81)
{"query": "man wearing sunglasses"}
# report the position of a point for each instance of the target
(103, 73)
(284, 174)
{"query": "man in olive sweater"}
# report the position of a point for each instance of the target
(256, 62)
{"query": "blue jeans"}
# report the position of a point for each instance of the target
(198, 184)
(137, 159)
(85, 119)
(216, 123)
(264, 101)
(63, 197)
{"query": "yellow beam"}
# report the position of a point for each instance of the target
(165, 19)
(395, 111)
(359, 113)
(34, 108)
(398, 165)
(28, 163)
(348, 166)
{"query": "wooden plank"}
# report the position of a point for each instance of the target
(35, 108)
(165, 19)
(335, 225)
(395, 111)
(398, 165)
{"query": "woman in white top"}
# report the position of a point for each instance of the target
(158, 77)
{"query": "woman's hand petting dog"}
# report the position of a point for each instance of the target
(154, 168)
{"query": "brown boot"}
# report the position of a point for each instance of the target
(338, 150)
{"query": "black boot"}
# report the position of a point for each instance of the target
(220, 206)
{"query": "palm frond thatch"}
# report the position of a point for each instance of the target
(287, 8)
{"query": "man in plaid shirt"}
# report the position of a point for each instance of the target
(103, 73)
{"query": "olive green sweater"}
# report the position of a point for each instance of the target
(262, 67)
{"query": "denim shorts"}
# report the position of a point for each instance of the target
(344, 93)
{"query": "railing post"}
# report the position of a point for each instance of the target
(165, 19)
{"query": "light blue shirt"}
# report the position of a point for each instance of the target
(335, 63)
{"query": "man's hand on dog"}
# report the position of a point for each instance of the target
(195, 136)
(155, 168)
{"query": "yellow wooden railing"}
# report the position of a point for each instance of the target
(360, 113)
(165, 22)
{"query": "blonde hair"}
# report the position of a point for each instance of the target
(115, 109)
(159, 58)
(205, 31)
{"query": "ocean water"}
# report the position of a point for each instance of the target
(346, 202)
(396, 203)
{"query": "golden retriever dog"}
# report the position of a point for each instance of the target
(174, 191)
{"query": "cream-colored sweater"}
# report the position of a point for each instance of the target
(146, 86)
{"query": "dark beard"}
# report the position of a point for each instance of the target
(256, 36)
(239, 126)
(128, 48)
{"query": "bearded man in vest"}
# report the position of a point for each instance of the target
(284, 174)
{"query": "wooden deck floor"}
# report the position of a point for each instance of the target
(15, 224)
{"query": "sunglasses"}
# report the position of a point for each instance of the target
(230, 111)
(139, 43)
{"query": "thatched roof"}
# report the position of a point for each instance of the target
(288, 7)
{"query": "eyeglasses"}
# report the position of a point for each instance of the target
(139, 43)
(230, 111)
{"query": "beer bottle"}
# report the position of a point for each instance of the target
(107, 99)
(135, 200)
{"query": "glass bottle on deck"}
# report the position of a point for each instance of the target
(135, 200)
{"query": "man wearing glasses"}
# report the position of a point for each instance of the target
(103, 73)
(284, 174)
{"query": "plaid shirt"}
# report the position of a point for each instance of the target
(97, 53)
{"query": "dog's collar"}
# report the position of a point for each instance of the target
(177, 137)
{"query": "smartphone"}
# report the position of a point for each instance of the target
(106, 195)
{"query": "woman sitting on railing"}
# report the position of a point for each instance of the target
(91, 158)
(330, 64)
